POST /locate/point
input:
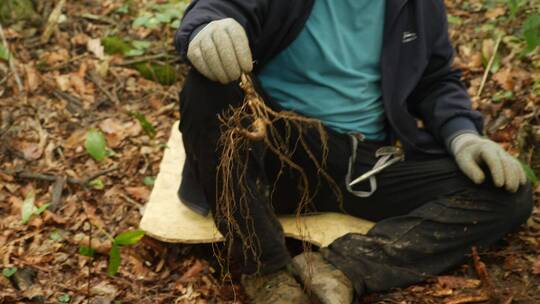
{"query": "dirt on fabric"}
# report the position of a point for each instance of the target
(64, 197)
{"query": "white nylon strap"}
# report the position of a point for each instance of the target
(372, 180)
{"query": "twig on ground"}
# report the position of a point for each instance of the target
(54, 17)
(74, 104)
(94, 176)
(5, 78)
(145, 59)
(6, 123)
(490, 65)
(57, 190)
(481, 270)
(102, 19)
(65, 64)
(97, 81)
(11, 61)
(466, 299)
(52, 178)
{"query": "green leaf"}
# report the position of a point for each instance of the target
(42, 209)
(28, 208)
(129, 237)
(114, 259)
(134, 53)
(56, 236)
(65, 298)
(141, 44)
(176, 24)
(95, 144)
(8, 272)
(515, 6)
(87, 251)
(454, 20)
(502, 96)
(97, 184)
(4, 52)
(164, 74)
(164, 18)
(149, 181)
(530, 173)
(145, 124)
(531, 32)
(124, 9)
(115, 45)
(142, 20)
(496, 64)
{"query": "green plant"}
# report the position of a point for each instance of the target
(97, 184)
(28, 209)
(127, 238)
(149, 181)
(65, 298)
(9, 272)
(128, 48)
(515, 6)
(531, 32)
(530, 173)
(87, 251)
(147, 127)
(162, 14)
(16, 10)
(96, 145)
(4, 52)
(164, 74)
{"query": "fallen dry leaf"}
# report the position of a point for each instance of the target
(139, 193)
(95, 47)
(466, 299)
(536, 267)
(55, 57)
(193, 271)
(504, 79)
(32, 78)
(481, 269)
(63, 82)
(29, 150)
(102, 246)
(104, 289)
(496, 12)
(458, 282)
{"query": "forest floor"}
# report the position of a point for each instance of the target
(83, 131)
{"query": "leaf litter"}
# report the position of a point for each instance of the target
(100, 71)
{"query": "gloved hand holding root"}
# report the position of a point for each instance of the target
(220, 51)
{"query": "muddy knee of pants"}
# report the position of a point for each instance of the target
(432, 239)
(521, 205)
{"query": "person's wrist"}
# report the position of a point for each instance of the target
(197, 31)
(463, 140)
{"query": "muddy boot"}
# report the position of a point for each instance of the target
(276, 288)
(328, 284)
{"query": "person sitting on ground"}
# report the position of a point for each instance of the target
(370, 71)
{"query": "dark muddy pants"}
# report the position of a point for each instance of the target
(428, 213)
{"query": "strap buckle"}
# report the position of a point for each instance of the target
(389, 156)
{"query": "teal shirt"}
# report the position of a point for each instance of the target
(331, 71)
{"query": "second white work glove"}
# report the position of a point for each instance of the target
(220, 51)
(471, 151)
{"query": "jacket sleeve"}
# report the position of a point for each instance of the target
(250, 14)
(440, 99)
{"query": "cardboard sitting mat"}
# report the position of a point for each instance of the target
(167, 219)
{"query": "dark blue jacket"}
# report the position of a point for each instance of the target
(418, 80)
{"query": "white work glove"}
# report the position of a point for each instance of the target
(471, 150)
(220, 51)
